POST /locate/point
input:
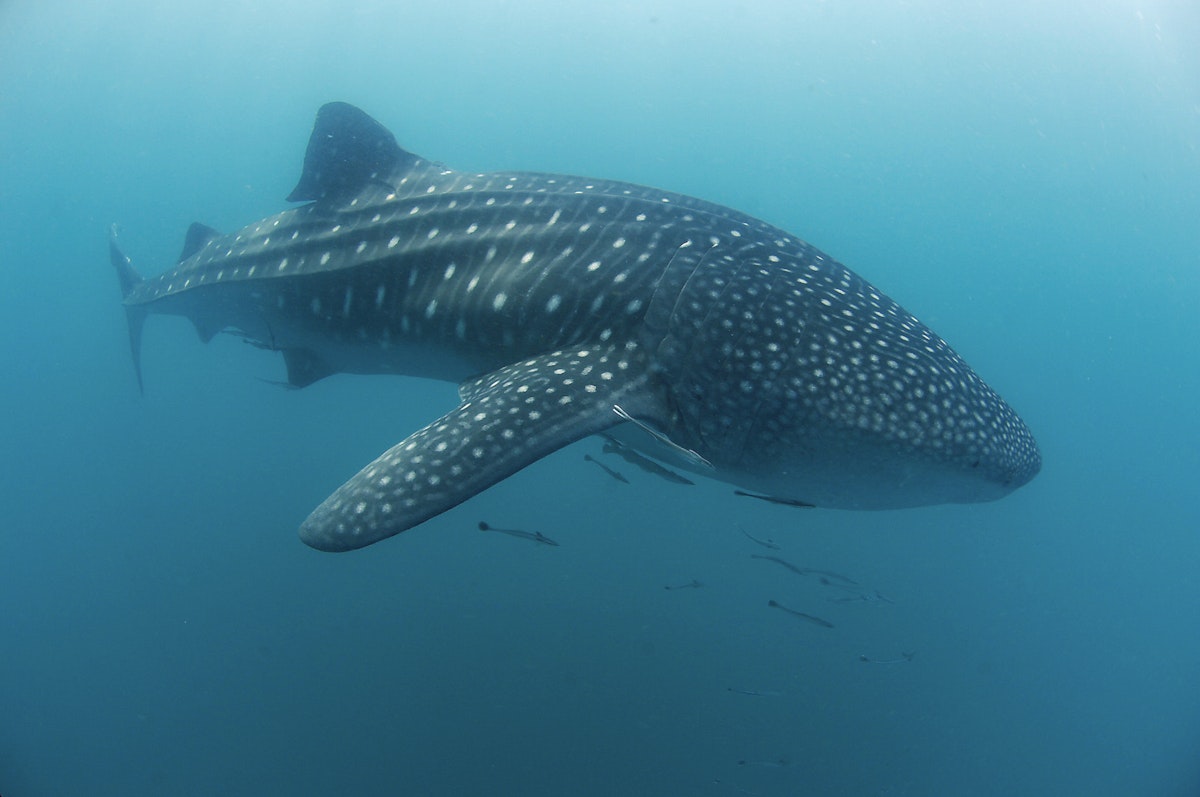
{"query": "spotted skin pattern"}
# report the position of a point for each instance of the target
(565, 305)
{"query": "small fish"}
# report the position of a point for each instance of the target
(773, 499)
(535, 536)
(797, 570)
(904, 657)
(753, 692)
(801, 615)
(614, 446)
(826, 575)
(690, 455)
(615, 474)
(837, 584)
(767, 543)
(779, 762)
(877, 597)
(693, 584)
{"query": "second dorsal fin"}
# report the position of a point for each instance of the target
(198, 236)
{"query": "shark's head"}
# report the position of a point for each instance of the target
(931, 432)
(963, 444)
(794, 376)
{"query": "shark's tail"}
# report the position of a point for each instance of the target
(135, 315)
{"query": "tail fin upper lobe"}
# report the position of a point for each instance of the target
(135, 316)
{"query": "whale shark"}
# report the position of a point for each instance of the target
(565, 307)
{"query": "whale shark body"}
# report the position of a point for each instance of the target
(567, 306)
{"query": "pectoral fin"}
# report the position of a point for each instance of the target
(507, 420)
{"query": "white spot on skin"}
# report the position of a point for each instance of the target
(392, 243)
(324, 258)
(553, 303)
(498, 302)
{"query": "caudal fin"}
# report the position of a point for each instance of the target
(135, 316)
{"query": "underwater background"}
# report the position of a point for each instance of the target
(1023, 176)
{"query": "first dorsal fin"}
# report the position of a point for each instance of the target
(348, 149)
(198, 236)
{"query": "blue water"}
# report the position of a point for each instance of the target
(1025, 177)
